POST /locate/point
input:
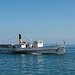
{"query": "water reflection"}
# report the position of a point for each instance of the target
(40, 64)
(31, 63)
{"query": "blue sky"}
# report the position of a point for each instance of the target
(49, 20)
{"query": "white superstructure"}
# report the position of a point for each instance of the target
(38, 43)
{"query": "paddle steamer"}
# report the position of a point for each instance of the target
(29, 48)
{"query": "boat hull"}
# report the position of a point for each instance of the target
(5, 50)
(43, 51)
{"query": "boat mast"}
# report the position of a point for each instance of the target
(64, 42)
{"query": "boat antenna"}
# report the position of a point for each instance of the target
(64, 42)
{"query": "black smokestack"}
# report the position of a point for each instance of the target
(20, 40)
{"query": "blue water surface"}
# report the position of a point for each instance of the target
(38, 64)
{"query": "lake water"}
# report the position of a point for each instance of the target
(38, 64)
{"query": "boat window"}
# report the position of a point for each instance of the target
(0, 46)
(4, 46)
(35, 42)
(14, 47)
(40, 42)
(56, 50)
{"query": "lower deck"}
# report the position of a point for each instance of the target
(29, 50)
(43, 51)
